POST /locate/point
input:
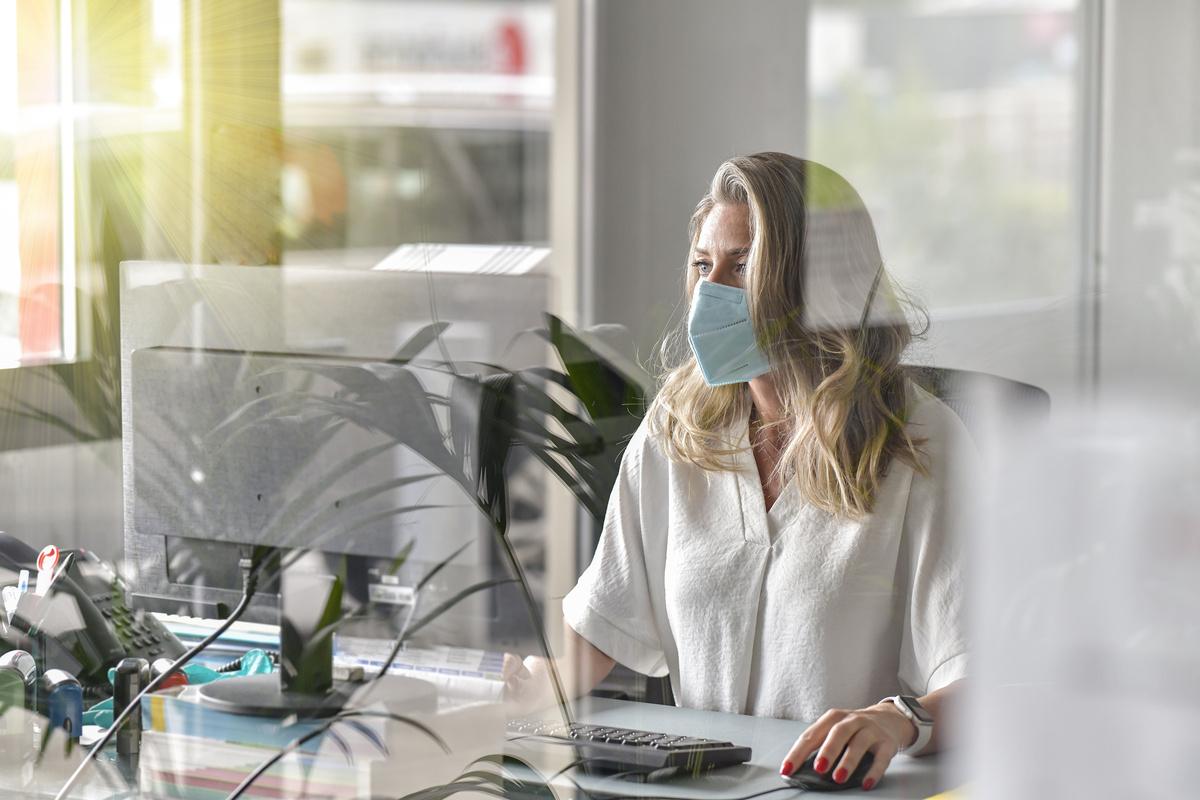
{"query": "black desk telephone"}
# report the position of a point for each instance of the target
(83, 625)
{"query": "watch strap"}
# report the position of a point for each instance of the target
(924, 729)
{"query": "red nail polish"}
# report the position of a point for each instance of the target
(787, 768)
(821, 764)
(868, 783)
(841, 775)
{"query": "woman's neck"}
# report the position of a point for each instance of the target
(768, 409)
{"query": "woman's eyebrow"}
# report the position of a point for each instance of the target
(740, 251)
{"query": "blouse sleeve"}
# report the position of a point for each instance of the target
(934, 649)
(612, 606)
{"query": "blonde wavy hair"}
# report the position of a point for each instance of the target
(830, 325)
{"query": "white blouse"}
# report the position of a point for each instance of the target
(785, 613)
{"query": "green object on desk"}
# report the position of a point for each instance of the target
(254, 662)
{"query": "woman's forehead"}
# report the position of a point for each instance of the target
(727, 228)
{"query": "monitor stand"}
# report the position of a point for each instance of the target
(264, 696)
(309, 607)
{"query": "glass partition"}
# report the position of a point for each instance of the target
(959, 123)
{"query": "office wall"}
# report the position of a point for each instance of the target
(673, 88)
(1149, 331)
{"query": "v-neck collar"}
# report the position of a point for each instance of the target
(760, 525)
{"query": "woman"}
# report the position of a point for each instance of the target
(779, 538)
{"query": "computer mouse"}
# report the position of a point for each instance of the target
(806, 776)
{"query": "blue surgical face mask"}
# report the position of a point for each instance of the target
(722, 335)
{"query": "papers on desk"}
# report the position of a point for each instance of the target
(178, 766)
(232, 645)
(459, 672)
(189, 751)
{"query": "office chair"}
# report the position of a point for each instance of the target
(986, 403)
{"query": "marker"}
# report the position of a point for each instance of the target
(132, 674)
(46, 561)
(63, 698)
(11, 595)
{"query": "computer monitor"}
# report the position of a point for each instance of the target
(242, 431)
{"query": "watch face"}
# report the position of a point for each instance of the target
(917, 709)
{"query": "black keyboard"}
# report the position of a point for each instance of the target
(627, 750)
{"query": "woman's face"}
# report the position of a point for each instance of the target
(724, 246)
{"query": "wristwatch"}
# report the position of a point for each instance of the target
(918, 716)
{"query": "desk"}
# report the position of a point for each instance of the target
(906, 778)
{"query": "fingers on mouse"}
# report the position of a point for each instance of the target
(806, 776)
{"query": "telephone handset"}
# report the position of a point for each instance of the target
(83, 625)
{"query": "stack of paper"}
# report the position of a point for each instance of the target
(190, 751)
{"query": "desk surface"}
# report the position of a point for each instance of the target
(906, 778)
(770, 739)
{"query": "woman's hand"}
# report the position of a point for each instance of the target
(516, 674)
(529, 685)
(850, 734)
(841, 738)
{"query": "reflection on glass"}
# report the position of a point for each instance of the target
(10, 258)
(30, 175)
(957, 124)
(395, 456)
(413, 122)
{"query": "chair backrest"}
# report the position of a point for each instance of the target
(984, 402)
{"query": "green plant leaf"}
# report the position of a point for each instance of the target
(606, 383)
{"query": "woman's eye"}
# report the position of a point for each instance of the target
(741, 268)
(703, 267)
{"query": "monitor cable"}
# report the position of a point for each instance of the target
(253, 568)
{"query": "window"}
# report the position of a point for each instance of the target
(32, 182)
